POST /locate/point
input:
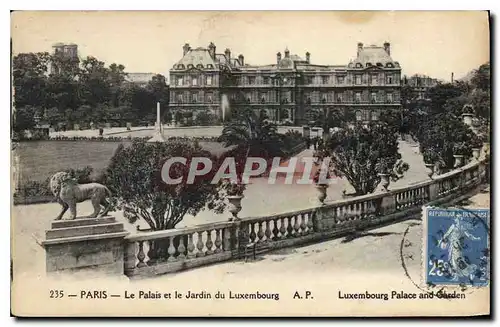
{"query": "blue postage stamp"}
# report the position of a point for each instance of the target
(456, 246)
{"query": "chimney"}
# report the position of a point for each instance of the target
(308, 57)
(241, 59)
(278, 57)
(211, 50)
(387, 48)
(452, 77)
(360, 47)
(287, 53)
(185, 49)
(227, 52)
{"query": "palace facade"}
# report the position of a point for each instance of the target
(292, 89)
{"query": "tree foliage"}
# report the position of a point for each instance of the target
(248, 130)
(134, 177)
(361, 153)
(81, 92)
(443, 136)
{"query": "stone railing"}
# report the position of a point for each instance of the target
(153, 253)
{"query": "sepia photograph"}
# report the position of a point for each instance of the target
(250, 163)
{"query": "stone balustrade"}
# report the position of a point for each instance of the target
(160, 252)
(171, 250)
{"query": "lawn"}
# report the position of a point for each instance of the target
(39, 160)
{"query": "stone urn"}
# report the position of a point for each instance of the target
(234, 206)
(321, 188)
(475, 153)
(384, 181)
(486, 148)
(459, 160)
(430, 169)
(467, 118)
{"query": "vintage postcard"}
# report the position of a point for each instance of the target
(250, 164)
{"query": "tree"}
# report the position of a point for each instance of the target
(440, 94)
(24, 119)
(444, 135)
(204, 118)
(134, 177)
(94, 82)
(360, 153)
(482, 78)
(29, 78)
(116, 77)
(248, 130)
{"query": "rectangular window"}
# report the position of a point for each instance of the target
(255, 96)
(326, 79)
(374, 97)
(315, 97)
(251, 80)
(339, 97)
(340, 79)
(389, 79)
(179, 81)
(389, 97)
(373, 79)
(358, 80)
(194, 98)
(194, 81)
(265, 80)
(357, 97)
(209, 80)
(179, 98)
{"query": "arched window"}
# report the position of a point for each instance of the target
(369, 64)
(375, 115)
(200, 66)
(389, 65)
(210, 66)
(379, 64)
(358, 65)
(180, 66)
(190, 66)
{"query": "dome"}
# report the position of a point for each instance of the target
(285, 63)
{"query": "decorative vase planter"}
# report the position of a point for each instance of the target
(384, 181)
(321, 188)
(459, 160)
(467, 118)
(475, 153)
(486, 148)
(430, 169)
(234, 206)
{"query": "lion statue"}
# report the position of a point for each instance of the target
(68, 193)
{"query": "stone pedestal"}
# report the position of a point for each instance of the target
(93, 244)
(306, 131)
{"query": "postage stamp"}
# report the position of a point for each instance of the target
(456, 246)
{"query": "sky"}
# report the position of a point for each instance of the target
(434, 43)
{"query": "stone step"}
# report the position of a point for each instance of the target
(84, 230)
(82, 222)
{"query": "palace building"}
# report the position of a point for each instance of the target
(292, 89)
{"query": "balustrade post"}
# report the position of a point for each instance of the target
(319, 215)
(241, 236)
(388, 204)
(129, 256)
(434, 191)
